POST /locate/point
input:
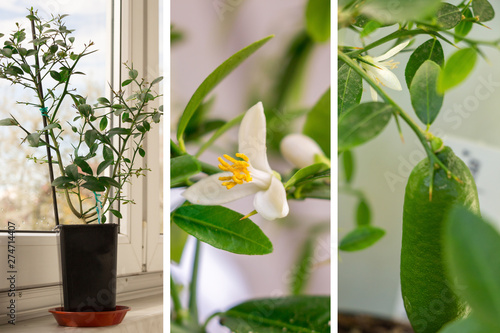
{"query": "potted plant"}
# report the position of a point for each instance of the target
(106, 140)
(441, 203)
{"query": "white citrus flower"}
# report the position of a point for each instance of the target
(379, 69)
(250, 175)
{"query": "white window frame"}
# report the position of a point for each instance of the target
(140, 248)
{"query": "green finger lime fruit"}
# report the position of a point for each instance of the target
(429, 301)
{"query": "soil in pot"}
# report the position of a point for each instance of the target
(350, 323)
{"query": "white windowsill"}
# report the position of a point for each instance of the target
(145, 315)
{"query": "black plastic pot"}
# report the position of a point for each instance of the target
(88, 263)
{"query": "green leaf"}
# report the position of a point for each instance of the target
(430, 50)
(213, 79)
(7, 52)
(126, 83)
(61, 181)
(361, 238)
(116, 213)
(317, 125)
(8, 122)
(178, 238)
(118, 130)
(302, 269)
(304, 173)
(85, 110)
(103, 123)
(403, 10)
(425, 99)
(448, 15)
(369, 28)
(318, 20)
(348, 165)
(90, 137)
(483, 10)
(103, 165)
(350, 88)
(363, 213)
(183, 167)
(142, 152)
(107, 153)
(468, 325)
(72, 172)
(471, 248)
(34, 140)
(103, 101)
(133, 74)
(83, 165)
(456, 69)
(50, 126)
(221, 227)
(464, 27)
(362, 123)
(158, 79)
(286, 314)
(25, 68)
(55, 75)
(93, 184)
(108, 181)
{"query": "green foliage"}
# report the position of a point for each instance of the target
(430, 50)
(293, 314)
(183, 167)
(212, 80)
(222, 228)
(483, 10)
(363, 213)
(348, 165)
(403, 10)
(456, 69)
(51, 57)
(464, 27)
(361, 238)
(318, 20)
(317, 125)
(362, 123)
(306, 173)
(448, 15)
(425, 99)
(471, 247)
(178, 239)
(350, 88)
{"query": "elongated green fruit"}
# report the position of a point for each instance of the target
(429, 301)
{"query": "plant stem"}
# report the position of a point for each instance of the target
(421, 134)
(193, 307)
(179, 311)
(44, 119)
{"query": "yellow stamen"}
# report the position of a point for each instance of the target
(238, 168)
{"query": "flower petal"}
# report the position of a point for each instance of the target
(252, 137)
(209, 191)
(387, 78)
(392, 52)
(272, 204)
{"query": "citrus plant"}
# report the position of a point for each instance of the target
(44, 60)
(441, 180)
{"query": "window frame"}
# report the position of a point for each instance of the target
(140, 244)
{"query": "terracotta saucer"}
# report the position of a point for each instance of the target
(89, 319)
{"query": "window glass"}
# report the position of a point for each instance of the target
(25, 192)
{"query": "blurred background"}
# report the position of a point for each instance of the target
(468, 122)
(204, 34)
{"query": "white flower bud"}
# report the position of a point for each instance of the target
(300, 150)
